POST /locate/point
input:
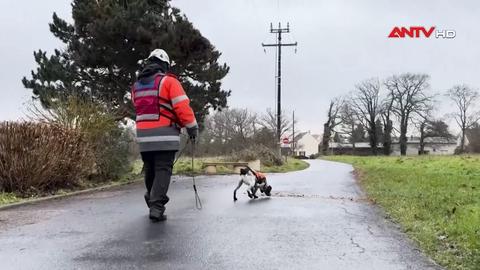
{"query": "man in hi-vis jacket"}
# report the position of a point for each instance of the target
(162, 108)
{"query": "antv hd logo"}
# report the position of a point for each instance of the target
(420, 32)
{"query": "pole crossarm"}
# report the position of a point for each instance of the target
(281, 44)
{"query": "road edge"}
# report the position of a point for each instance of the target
(66, 195)
(105, 187)
(382, 215)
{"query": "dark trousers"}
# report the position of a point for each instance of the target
(158, 167)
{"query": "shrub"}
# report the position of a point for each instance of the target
(109, 141)
(41, 157)
(112, 152)
(266, 155)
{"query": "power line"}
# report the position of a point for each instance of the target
(279, 31)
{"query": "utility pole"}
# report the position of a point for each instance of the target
(293, 133)
(279, 31)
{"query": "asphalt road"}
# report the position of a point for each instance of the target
(316, 219)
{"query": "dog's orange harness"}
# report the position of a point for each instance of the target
(260, 177)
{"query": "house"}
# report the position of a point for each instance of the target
(306, 144)
(433, 146)
(360, 148)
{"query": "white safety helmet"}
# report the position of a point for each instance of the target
(160, 55)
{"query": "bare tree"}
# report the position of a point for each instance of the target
(386, 115)
(333, 120)
(365, 101)
(432, 129)
(349, 119)
(228, 130)
(241, 123)
(465, 99)
(410, 97)
(428, 127)
(473, 134)
(269, 121)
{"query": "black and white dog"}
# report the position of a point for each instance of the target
(254, 180)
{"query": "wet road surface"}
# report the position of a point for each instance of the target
(316, 219)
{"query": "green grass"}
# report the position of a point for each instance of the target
(135, 173)
(435, 199)
(7, 198)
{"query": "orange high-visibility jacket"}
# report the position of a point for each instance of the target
(161, 131)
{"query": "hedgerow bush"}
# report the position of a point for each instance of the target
(267, 156)
(110, 143)
(112, 152)
(39, 157)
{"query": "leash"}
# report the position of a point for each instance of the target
(198, 202)
(181, 152)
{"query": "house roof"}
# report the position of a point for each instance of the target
(430, 140)
(349, 145)
(302, 134)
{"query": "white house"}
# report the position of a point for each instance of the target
(344, 148)
(433, 146)
(306, 144)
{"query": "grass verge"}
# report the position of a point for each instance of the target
(435, 199)
(8, 198)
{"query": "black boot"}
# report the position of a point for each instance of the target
(157, 215)
(147, 198)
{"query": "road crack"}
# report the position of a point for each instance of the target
(357, 245)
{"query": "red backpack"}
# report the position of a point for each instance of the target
(146, 99)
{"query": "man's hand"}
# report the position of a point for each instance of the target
(192, 133)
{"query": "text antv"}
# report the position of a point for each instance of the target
(421, 32)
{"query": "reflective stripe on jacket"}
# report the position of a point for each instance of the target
(162, 133)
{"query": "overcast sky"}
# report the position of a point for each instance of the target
(340, 43)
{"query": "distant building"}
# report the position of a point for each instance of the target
(433, 146)
(307, 144)
(360, 149)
